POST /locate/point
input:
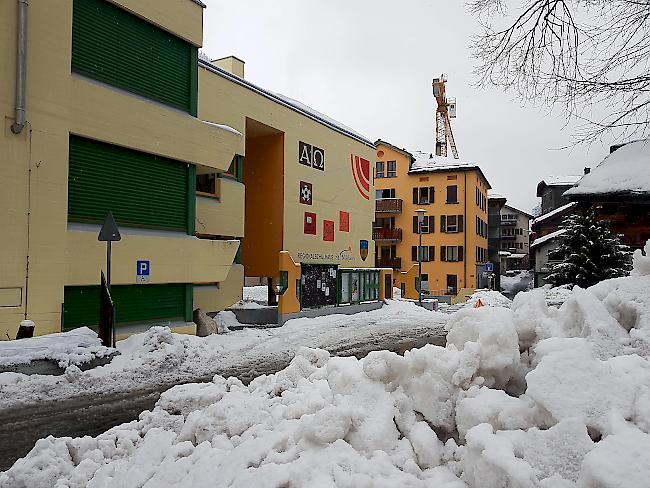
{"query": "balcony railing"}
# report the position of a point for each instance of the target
(388, 205)
(381, 234)
(395, 263)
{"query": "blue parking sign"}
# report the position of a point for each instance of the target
(142, 271)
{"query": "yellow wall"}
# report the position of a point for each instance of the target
(334, 189)
(288, 302)
(263, 169)
(34, 169)
(223, 216)
(404, 183)
(211, 297)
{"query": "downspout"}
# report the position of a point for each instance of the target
(21, 67)
(465, 252)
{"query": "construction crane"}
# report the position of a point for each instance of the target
(446, 110)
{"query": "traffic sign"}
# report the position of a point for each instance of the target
(489, 267)
(142, 271)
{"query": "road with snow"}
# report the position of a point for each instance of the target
(22, 425)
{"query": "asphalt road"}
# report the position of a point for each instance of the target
(21, 427)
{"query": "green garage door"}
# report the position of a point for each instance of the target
(142, 190)
(133, 303)
(116, 47)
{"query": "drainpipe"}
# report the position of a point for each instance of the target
(21, 67)
(465, 224)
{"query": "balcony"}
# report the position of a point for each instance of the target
(386, 235)
(384, 262)
(389, 206)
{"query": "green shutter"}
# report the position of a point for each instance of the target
(133, 303)
(142, 190)
(116, 47)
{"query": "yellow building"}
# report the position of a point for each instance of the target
(454, 232)
(110, 124)
(309, 193)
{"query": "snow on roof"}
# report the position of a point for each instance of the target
(517, 256)
(424, 161)
(548, 237)
(514, 208)
(492, 194)
(555, 212)
(625, 171)
(562, 180)
(288, 102)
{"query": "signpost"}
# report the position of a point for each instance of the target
(109, 233)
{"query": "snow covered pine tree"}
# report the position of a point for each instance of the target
(588, 253)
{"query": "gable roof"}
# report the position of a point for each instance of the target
(403, 151)
(424, 162)
(566, 180)
(517, 210)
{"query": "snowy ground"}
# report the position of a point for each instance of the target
(529, 396)
(159, 357)
(511, 285)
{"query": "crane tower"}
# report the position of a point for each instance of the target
(446, 110)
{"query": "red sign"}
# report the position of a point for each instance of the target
(344, 221)
(361, 174)
(310, 223)
(328, 230)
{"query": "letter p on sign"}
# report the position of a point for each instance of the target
(142, 271)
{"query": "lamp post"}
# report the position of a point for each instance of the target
(420, 213)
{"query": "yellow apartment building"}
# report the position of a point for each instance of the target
(454, 232)
(309, 194)
(101, 115)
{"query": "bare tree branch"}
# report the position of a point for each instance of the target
(576, 54)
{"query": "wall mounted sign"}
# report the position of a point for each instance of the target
(306, 193)
(328, 230)
(310, 223)
(311, 156)
(142, 271)
(363, 249)
(344, 221)
(361, 174)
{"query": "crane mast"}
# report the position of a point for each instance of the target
(446, 110)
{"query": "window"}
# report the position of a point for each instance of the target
(385, 193)
(481, 227)
(236, 169)
(391, 170)
(424, 196)
(116, 47)
(428, 253)
(451, 253)
(451, 223)
(358, 285)
(481, 254)
(428, 224)
(206, 185)
(425, 283)
(452, 194)
(379, 169)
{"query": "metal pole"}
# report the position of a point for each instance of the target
(420, 264)
(21, 68)
(108, 285)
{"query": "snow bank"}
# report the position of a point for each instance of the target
(527, 396)
(66, 348)
(488, 298)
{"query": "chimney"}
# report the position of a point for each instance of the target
(615, 147)
(231, 64)
(587, 170)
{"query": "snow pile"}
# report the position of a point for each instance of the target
(529, 396)
(75, 347)
(488, 298)
(516, 283)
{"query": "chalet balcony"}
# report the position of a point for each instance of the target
(383, 262)
(386, 235)
(388, 206)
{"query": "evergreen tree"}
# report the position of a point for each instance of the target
(588, 252)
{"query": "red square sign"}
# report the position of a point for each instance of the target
(344, 221)
(328, 230)
(310, 223)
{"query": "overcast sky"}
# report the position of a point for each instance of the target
(369, 64)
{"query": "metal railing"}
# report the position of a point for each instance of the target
(381, 234)
(388, 205)
(395, 263)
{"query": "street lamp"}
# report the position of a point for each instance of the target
(420, 213)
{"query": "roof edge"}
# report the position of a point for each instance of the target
(394, 148)
(271, 96)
